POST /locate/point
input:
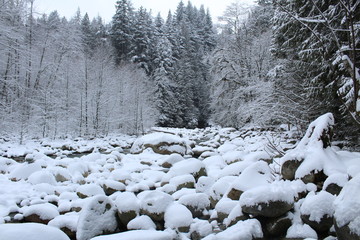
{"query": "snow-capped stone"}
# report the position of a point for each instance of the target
(40, 213)
(162, 143)
(270, 200)
(138, 235)
(89, 190)
(347, 210)
(317, 210)
(177, 216)
(98, 207)
(30, 231)
(197, 203)
(154, 204)
(128, 207)
(141, 223)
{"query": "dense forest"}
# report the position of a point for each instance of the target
(277, 62)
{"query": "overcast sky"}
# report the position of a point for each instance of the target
(106, 8)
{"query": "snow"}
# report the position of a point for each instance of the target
(138, 235)
(98, 207)
(174, 143)
(30, 231)
(301, 231)
(141, 223)
(155, 201)
(90, 190)
(318, 205)
(276, 191)
(42, 176)
(146, 185)
(45, 211)
(347, 206)
(182, 179)
(339, 179)
(225, 205)
(23, 171)
(258, 172)
(196, 200)
(177, 215)
(244, 230)
(127, 201)
(68, 220)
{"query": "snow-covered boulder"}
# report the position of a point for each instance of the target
(183, 181)
(171, 160)
(128, 207)
(271, 200)
(89, 190)
(162, 143)
(30, 231)
(111, 186)
(154, 204)
(66, 223)
(236, 214)
(23, 171)
(138, 235)
(244, 230)
(39, 213)
(178, 217)
(258, 172)
(197, 203)
(200, 229)
(313, 159)
(224, 207)
(301, 231)
(347, 210)
(317, 211)
(42, 176)
(97, 217)
(334, 183)
(141, 223)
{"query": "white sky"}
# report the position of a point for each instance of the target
(106, 8)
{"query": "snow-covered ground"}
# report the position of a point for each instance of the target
(182, 184)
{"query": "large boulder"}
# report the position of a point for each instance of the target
(154, 204)
(313, 159)
(347, 211)
(128, 207)
(317, 211)
(97, 217)
(30, 231)
(271, 200)
(39, 213)
(162, 143)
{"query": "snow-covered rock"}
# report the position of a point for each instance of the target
(97, 217)
(141, 223)
(177, 216)
(30, 231)
(128, 207)
(347, 210)
(162, 143)
(138, 235)
(40, 213)
(154, 204)
(317, 210)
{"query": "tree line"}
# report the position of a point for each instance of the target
(280, 61)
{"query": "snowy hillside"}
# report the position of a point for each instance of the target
(182, 184)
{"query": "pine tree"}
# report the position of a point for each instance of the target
(122, 30)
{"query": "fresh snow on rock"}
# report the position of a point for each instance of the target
(30, 231)
(138, 235)
(318, 205)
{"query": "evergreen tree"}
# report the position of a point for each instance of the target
(122, 30)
